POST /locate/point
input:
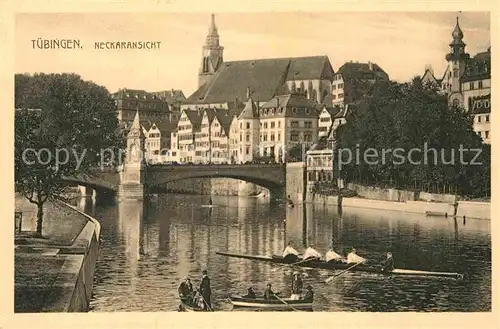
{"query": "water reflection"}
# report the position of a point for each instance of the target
(148, 249)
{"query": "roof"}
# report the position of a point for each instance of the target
(250, 111)
(332, 110)
(224, 117)
(135, 93)
(264, 77)
(194, 117)
(171, 96)
(362, 71)
(290, 105)
(478, 67)
(429, 76)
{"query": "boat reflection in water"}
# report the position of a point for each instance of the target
(148, 250)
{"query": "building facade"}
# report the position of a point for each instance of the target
(354, 80)
(467, 82)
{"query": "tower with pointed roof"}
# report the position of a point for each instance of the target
(212, 56)
(457, 60)
(132, 177)
(249, 130)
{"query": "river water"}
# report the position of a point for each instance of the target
(147, 250)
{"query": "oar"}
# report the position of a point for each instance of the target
(281, 300)
(334, 276)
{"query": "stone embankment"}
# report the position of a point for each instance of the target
(395, 200)
(55, 273)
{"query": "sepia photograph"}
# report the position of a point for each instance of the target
(252, 162)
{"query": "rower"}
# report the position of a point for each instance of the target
(332, 257)
(388, 264)
(290, 255)
(250, 293)
(269, 294)
(352, 257)
(296, 286)
(309, 295)
(185, 289)
(311, 253)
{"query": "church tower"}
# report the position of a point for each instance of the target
(457, 60)
(212, 55)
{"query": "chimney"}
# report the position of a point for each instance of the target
(277, 102)
(370, 66)
(248, 92)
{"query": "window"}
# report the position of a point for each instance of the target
(486, 134)
(247, 150)
(248, 125)
(455, 73)
(241, 137)
(341, 96)
(294, 137)
(272, 124)
(334, 87)
(480, 84)
(478, 118)
(308, 124)
(279, 124)
(294, 110)
(247, 137)
(334, 96)
(294, 124)
(487, 118)
(279, 137)
(341, 85)
(272, 137)
(471, 85)
(241, 125)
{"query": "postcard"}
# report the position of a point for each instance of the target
(331, 162)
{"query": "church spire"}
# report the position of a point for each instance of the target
(457, 45)
(213, 28)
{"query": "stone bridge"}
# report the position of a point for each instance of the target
(271, 176)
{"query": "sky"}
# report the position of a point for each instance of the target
(401, 43)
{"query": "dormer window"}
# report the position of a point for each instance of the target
(308, 111)
(294, 110)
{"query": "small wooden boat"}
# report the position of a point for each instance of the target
(321, 264)
(261, 304)
(187, 305)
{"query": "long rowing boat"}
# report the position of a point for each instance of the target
(321, 264)
(261, 304)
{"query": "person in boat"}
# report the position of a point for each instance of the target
(297, 285)
(290, 255)
(332, 257)
(205, 291)
(309, 295)
(289, 200)
(269, 294)
(186, 289)
(387, 264)
(311, 253)
(250, 293)
(353, 257)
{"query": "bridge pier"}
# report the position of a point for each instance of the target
(87, 192)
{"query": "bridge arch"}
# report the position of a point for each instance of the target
(104, 187)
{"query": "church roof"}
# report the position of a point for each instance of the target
(264, 77)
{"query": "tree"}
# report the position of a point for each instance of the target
(407, 116)
(61, 125)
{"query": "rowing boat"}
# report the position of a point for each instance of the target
(261, 304)
(321, 264)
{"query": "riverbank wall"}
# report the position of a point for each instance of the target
(55, 273)
(467, 209)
